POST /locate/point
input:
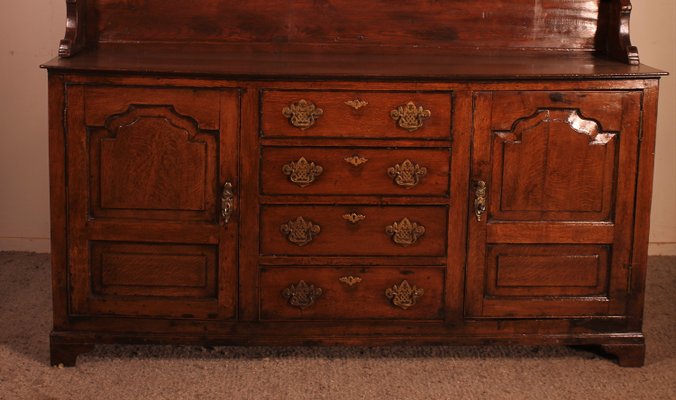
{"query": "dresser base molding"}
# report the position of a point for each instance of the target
(627, 349)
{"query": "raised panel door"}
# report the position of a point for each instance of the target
(147, 171)
(552, 192)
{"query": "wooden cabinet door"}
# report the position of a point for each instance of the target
(551, 201)
(147, 169)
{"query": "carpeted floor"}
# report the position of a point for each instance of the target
(162, 372)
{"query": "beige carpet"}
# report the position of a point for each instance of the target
(162, 372)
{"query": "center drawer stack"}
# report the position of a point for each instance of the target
(355, 191)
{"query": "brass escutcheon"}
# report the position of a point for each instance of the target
(354, 217)
(405, 232)
(303, 114)
(403, 295)
(227, 202)
(302, 172)
(407, 174)
(356, 160)
(300, 232)
(350, 280)
(479, 199)
(302, 295)
(357, 103)
(410, 116)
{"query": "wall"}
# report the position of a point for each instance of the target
(31, 30)
(654, 32)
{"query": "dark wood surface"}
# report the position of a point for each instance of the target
(365, 299)
(339, 237)
(528, 155)
(447, 23)
(248, 62)
(600, 26)
(339, 177)
(192, 202)
(371, 120)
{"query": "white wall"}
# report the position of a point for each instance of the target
(30, 32)
(654, 32)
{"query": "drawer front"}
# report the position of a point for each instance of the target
(404, 115)
(352, 293)
(347, 230)
(355, 171)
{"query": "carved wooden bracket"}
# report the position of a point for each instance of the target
(612, 37)
(74, 40)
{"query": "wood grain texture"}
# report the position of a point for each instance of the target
(167, 104)
(612, 37)
(339, 177)
(176, 162)
(449, 23)
(639, 260)
(370, 121)
(153, 270)
(553, 165)
(363, 300)
(146, 180)
(628, 355)
(509, 220)
(244, 62)
(75, 38)
(339, 237)
(547, 271)
(570, 26)
(58, 203)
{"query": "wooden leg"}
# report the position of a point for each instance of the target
(66, 353)
(628, 355)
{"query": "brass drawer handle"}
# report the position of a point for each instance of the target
(303, 114)
(300, 232)
(410, 116)
(302, 172)
(407, 174)
(404, 296)
(302, 295)
(350, 280)
(405, 232)
(354, 217)
(479, 199)
(227, 202)
(356, 160)
(357, 103)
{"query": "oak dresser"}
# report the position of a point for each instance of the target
(350, 172)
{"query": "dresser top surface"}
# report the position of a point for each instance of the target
(248, 63)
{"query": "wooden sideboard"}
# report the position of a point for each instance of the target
(350, 172)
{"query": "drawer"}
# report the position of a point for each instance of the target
(355, 171)
(352, 293)
(353, 230)
(403, 115)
